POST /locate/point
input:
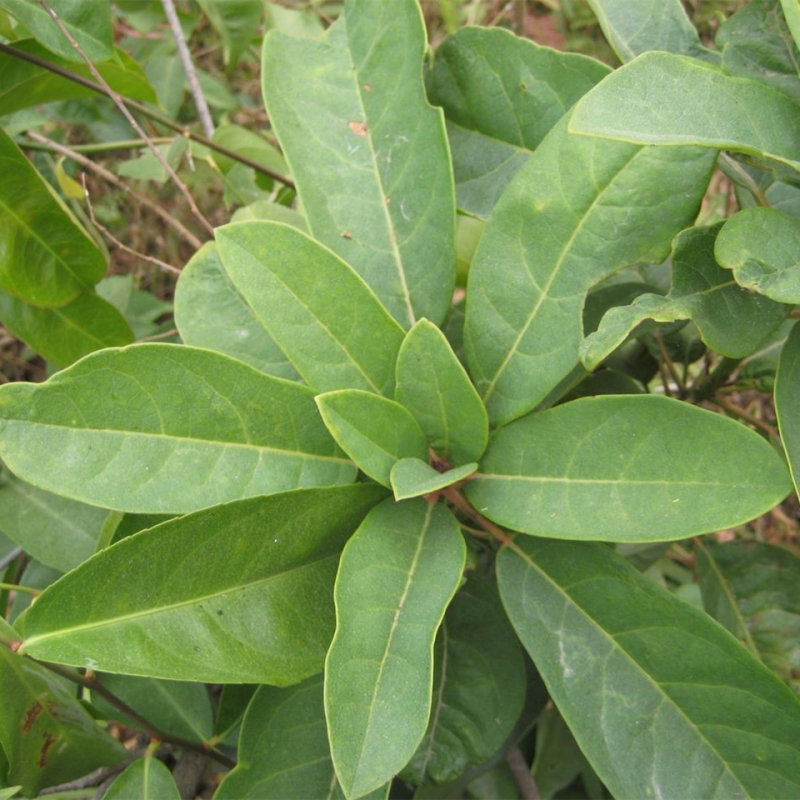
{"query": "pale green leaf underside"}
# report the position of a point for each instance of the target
(663, 702)
(787, 401)
(333, 329)
(660, 98)
(144, 779)
(397, 575)
(626, 469)
(368, 154)
(412, 477)
(791, 10)
(762, 247)
(240, 593)
(159, 428)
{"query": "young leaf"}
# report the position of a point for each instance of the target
(753, 118)
(434, 387)
(45, 257)
(210, 312)
(373, 431)
(331, 326)
(160, 428)
(639, 468)
(662, 700)
(412, 477)
(397, 575)
(146, 778)
(283, 749)
(388, 206)
(239, 593)
(547, 243)
(731, 320)
(46, 733)
(787, 401)
(761, 246)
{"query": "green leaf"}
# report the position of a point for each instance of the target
(64, 335)
(558, 759)
(791, 11)
(23, 84)
(501, 95)
(663, 701)
(58, 532)
(761, 245)
(45, 256)
(236, 21)
(626, 469)
(660, 98)
(7, 633)
(159, 428)
(283, 748)
(547, 243)
(89, 24)
(46, 733)
(787, 401)
(247, 143)
(412, 477)
(397, 575)
(478, 686)
(649, 25)
(435, 388)
(331, 326)
(373, 431)
(368, 154)
(239, 593)
(753, 589)
(146, 778)
(731, 320)
(210, 312)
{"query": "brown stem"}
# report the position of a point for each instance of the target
(522, 775)
(732, 408)
(462, 504)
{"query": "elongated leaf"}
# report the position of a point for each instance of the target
(627, 469)
(501, 95)
(753, 589)
(46, 733)
(331, 326)
(753, 118)
(65, 334)
(478, 686)
(548, 242)
(58, 532)
(791, 11)
(761, 245)
(144, 779)
(368, 154)
(396, 578)
(373, 431)
(45, 257)
(161, 428)
(648, 25)
(7, 633)
(283, 748)
(239, 593)
(88, 23)
(731, 320)
(412, 477)
(787, 401)
(662, 700)
(236, 21)
(434, 387)
(210, 312)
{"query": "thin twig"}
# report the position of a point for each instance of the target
(93, 778)
(668, 362)
(462, 504)
(737, 411)
(9, 557)
(707, 385)
(520, 17)
(522, 775)
(111, 178)
(15, 587)
(116, 97)
(746, 180)
(188, 65)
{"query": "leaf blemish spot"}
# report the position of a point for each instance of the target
(358, 128)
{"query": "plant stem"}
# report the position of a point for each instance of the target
(706, 386)
(732, 408)
(108, 147)
(462, 504)
(9, 557)
(13, 587)
(520, 17)
(746, 180)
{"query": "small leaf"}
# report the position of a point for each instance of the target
(397, 575)
(618, 469)
(236, 22)
(435, 388)
(146, 778)
(757, 119)
(47, 735)
(249, 144)
(663, 701)
(240, 593)
(787, 401)
(761, 246)
(412, 477)
(373, 431)
(158, 428)
(792, 13)
(331, 326)
(368, 153)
